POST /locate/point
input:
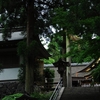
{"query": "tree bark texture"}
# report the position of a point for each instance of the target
(29, 81)
(64, 52)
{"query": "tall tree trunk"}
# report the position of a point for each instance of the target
(29, 76)
(64, 52)
(67, 79)
(29, 81)
(68, 59)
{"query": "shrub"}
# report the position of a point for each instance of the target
(21, 74)
(49, 75)
(13, 96)
(42, 96)
(38, 96)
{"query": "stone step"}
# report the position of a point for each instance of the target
(81, 93)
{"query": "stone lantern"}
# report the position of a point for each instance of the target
(61, 64)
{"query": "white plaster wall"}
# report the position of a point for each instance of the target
(9, 74)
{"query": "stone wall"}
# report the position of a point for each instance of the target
(9, 88)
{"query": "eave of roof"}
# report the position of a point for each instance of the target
(16, 37)
(93, 64)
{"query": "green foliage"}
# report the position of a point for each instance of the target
(21, 74)
(96, 74)
(79, 53)
(39, 96)
(12, 97)
(55, 47)
(79, 18)
(25, 51)
(49, 61)
(60, 14)
(22, 48)
(49, 75)
(42, 96)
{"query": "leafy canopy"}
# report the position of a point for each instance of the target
(79, 18)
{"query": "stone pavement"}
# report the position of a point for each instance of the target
(81, 93)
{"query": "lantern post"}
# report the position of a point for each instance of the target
(61, 64)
